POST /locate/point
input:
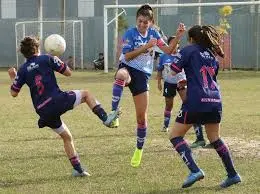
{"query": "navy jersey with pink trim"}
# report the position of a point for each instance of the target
(38, 74)
(132, 40)
(201, 68)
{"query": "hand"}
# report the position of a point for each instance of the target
(12, 73)
(152, 42)
(181, 30)
(182, 83)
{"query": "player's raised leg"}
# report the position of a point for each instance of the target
(70, 150)
(233, 177)
(141, 106)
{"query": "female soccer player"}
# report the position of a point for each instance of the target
(135, 68)
(48, 100)
(169, 91)
(203, 103)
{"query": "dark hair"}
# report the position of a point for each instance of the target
(145, 10)
(29, 46)
(206, 36)
(170, 39)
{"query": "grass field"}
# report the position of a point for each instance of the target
(32, 160)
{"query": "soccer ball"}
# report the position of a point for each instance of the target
(55, 45)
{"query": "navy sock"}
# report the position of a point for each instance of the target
(183, 149)
(198, 131)
(100, 112)
(224, 154)
(75, 162)
(167, 117)
(117, 93)
(141, 134)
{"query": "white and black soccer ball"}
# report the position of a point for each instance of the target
(55, 45)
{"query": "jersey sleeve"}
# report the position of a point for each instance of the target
(19, 81)
(160, 66)
(179, 61)
(160, 41)
(128, 43)
(56, 64)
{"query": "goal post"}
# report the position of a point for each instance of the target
(71, 30)
(179, 5)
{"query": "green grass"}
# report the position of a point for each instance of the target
(32, 160)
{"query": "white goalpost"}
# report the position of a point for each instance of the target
(107, 22)
(71, 30)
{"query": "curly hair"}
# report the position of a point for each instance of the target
(207, 36)
(29, 46)
(145, 10)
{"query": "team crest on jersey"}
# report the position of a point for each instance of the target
(32, 66)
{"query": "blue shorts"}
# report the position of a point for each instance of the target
(139, 80)
(198, 117)
(51, 112)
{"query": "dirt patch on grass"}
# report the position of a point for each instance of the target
(239, 147)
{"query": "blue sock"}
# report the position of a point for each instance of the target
(100, 112)
(183, 149)
(198, 131)
(75, 162)
(117, 92)
(167, 117)
(224, 154)
(141, 134)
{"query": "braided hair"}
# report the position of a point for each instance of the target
(29, 46)
(145, 10)
(208, 37)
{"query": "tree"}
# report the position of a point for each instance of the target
(224, 25)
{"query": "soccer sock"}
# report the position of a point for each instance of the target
(224, 154)
(75, 162)
(183, 149)
(118, 87)
(167, 117)
(100, 112)
(198, 131)
(141, 134)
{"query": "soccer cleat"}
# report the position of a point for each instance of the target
(208, 146)
(198, 143)
(113, 115)
(164, 129)
(192, 178)
(115, 123)
(231, 181)
(77, 174)
(137, 157)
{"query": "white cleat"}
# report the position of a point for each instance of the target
(77, 174)
(112, 116)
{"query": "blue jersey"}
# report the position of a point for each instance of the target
(201, 68)
(38, 73)
(164, 65)
(132, 40)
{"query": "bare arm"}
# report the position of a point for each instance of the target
(67, 72)
(12, 74)
(179, 33)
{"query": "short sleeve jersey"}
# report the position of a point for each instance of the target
(132, 40)
(201, 67)
(164, 65)
(38, 74)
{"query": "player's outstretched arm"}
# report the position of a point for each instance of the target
(12, 74)
(179, 33)
(67, 72)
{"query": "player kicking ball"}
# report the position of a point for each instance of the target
(48, 100)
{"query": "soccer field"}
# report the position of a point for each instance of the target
(32, 160)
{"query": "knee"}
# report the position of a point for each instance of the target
(122, 74)
(66, 136)
(142, 120)
(85, 94)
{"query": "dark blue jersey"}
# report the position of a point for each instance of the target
(201, 67)
(38, 73)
